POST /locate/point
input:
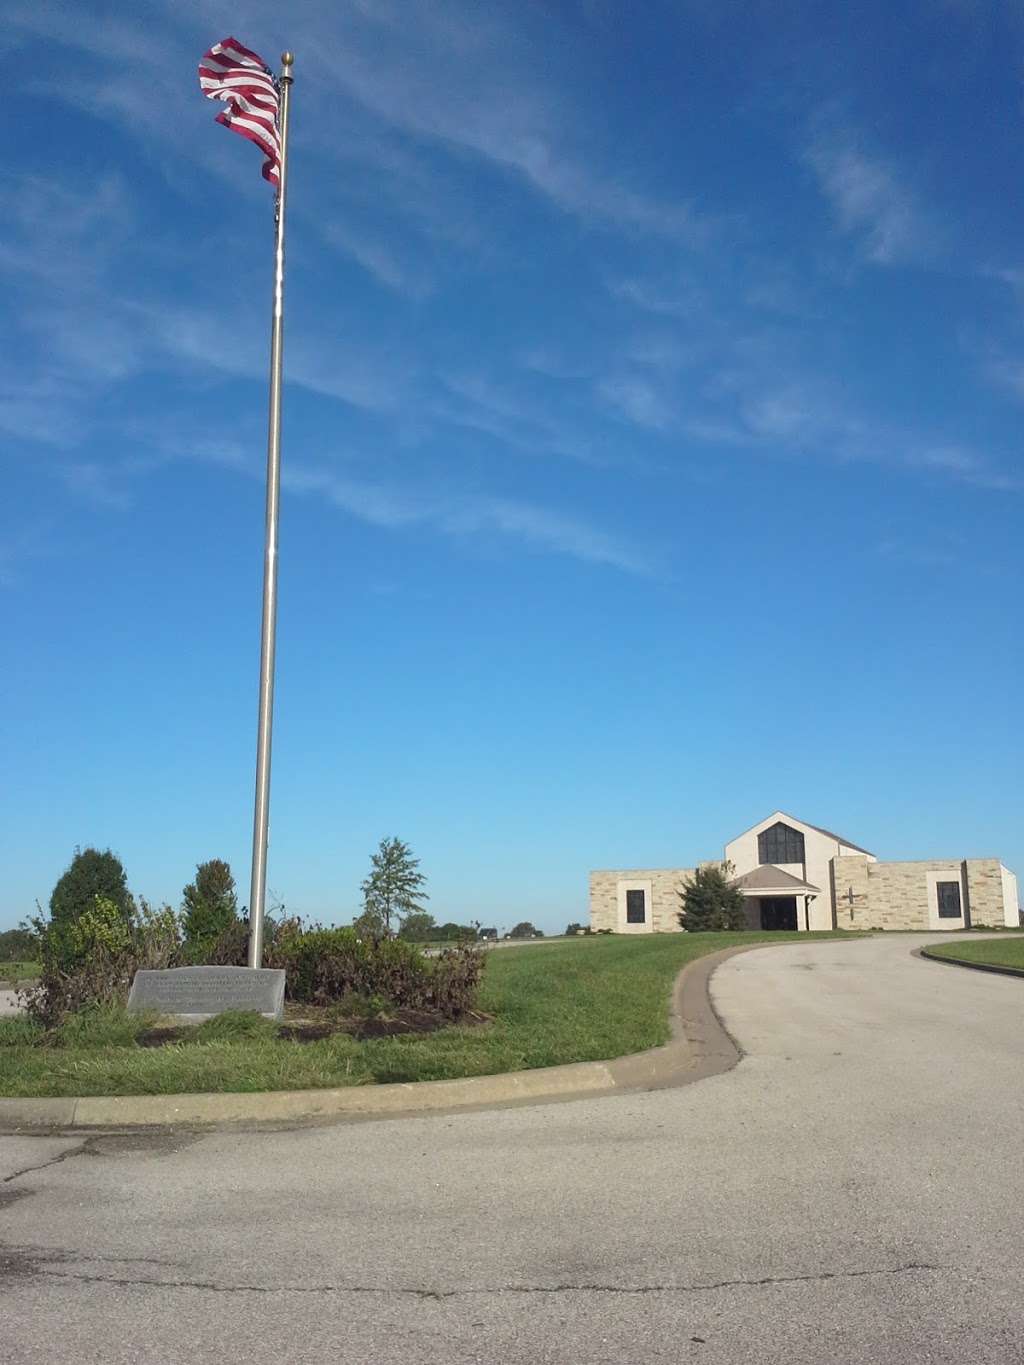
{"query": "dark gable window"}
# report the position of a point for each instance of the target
(780, 844)
(949, 899)
(636, 912)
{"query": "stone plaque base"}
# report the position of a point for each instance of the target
(192, 994)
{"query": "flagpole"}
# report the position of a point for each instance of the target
(261, 813)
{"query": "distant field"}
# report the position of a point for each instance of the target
(13, 972)
(992, 952)
(583, 999)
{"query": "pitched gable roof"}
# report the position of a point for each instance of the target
(818, 829)
(768, 877)
(830, 834)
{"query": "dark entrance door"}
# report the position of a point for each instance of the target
(778, 912)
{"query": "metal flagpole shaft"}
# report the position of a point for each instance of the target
(261, 814)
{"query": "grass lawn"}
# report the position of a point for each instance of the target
(995, 952)
(584, 999)
(13, 972)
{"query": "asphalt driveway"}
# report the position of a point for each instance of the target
(851, 1192)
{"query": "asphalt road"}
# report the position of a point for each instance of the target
(852, 1192)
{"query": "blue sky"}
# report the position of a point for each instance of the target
(651, 449)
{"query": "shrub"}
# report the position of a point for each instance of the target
(418, 927)
(525, 930)
(209, 908)
(710, 903)
(354, 1006)
(90, 874)
(453, 933)
(18, 945)
(231, 947)
(455, 979)
(93, 960)
(102, 1025)
(236, 1026)
(326, 966)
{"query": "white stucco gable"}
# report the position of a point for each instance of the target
(806, 854)
(838, 846)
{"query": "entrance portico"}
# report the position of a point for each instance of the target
(775, 898)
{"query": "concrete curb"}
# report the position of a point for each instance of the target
(972, 966)
(700, 1047)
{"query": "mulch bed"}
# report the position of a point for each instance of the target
(310, 1030)
(158, 1037)
(306, 1024)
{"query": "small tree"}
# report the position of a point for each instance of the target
(392, 890)
(710, 903)
(370, 924)
(524, 930)
(90, 874)
(452, 932)
(209, 905)
(419, 927)
(574, 928)
(18, 945)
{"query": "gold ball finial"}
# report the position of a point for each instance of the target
(287, 58)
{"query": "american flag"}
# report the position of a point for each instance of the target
(230, 72)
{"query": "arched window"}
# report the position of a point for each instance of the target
(780, 844)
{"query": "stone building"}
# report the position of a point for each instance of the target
(799, 876)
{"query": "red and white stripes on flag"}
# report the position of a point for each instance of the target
(230, 72)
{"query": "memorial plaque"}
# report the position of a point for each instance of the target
(193, 994)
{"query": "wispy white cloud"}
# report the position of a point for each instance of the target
(406, 161)
(95, 482)
(396, 501)
(662, 352)
(469, 514)
(872, 202)
(1006, 372)
(39, 406)
(679, 298)
(380, 260)
(964, 465)
(476, 401)
(464, 82)
(555, 362)
(811, 418)
(638, 400)
(65, 235)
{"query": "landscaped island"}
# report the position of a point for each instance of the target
(986, 952)
(585, 999)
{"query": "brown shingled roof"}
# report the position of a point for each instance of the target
(768, 877)
(831, 834)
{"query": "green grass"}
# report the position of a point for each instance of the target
(13, 972)
(584, 999)
(994, 952)
(101, 1027)
(236, 1026)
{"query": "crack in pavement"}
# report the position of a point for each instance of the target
(114, 1145)
(439, 1295)
(83, 1149)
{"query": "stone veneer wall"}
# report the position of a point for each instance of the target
(896, 895)
(665, 903)
(985, 890)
